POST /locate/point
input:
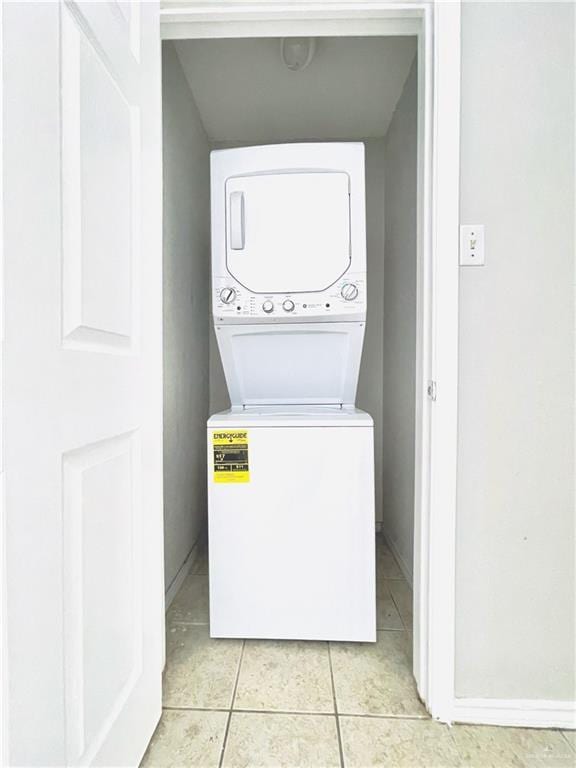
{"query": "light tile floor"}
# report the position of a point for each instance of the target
(263, 704)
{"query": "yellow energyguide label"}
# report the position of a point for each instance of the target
(230, 450)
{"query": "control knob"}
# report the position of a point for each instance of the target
(227, 295)
(349, 291)
(288, 305)
(268, 306)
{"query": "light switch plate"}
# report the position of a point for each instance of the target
(472, 245)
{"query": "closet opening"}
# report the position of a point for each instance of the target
(239, 92)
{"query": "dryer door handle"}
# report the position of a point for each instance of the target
(237, 220)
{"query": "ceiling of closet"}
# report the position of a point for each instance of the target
(245, 92)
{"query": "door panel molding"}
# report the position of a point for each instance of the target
(99, 241)
(119, 459)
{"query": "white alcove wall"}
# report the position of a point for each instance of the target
(343, 66)
(186, 277)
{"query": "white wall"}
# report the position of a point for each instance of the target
(219, 398)
(515, 595)
(186, 314)
(370, 383)
(399, 327)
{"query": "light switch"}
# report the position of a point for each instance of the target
(472, 245)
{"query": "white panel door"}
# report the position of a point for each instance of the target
(288, 232)
(82, 388)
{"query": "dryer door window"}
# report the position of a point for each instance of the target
(288, 232)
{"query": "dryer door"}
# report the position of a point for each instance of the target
(288, 232)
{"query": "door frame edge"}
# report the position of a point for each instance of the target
(4, 681)
(437, 24)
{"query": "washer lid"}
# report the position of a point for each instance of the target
(291, 364)
(288, 232)
(293, 416)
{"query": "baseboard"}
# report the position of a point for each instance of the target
(404, 567)
(183, 571)
(524, 713)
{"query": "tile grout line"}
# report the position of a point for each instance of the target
(369, 715)
(567, 740)
(229, 718)
(374, 716)
(404, 627)
(381, 582)
(339, 735)
(169, 708)
(283, 712)
(394, 578)
(183, 623)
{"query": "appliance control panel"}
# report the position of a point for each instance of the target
(232, 302)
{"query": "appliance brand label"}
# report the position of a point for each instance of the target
(230, 450)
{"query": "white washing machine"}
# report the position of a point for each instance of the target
(291, 464)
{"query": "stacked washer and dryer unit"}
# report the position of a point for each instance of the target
(291, 464)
